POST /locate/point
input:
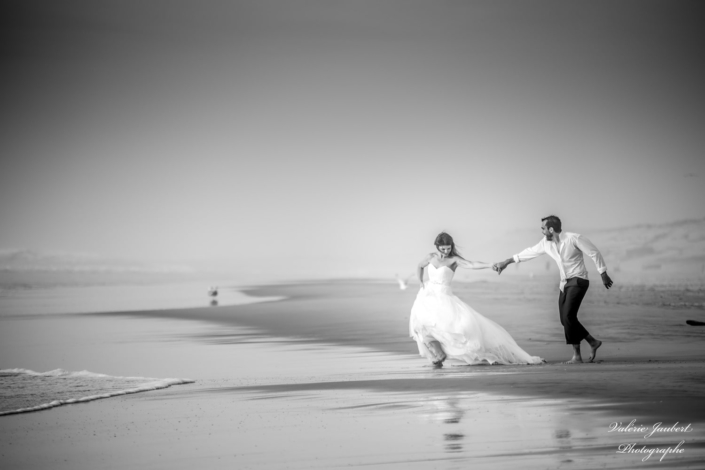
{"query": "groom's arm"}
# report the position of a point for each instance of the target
(524, 255)
(587, 247)
(502, 265)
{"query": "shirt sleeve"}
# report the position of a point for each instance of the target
(530, 253)
(591, 250)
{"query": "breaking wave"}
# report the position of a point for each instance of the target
(23, 390)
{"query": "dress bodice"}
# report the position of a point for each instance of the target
(442, 275)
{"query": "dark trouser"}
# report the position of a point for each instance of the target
(568, 305)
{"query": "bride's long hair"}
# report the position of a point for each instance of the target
(445, 239)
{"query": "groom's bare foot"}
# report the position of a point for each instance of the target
(575, 360)
(594, 347)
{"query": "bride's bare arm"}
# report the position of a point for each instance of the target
(463, 263)
(419, 270)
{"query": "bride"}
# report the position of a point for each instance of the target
(445, 327)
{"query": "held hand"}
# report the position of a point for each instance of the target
(422, 285)
(606, 280)
(499, 267)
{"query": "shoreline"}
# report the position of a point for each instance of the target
(119, 298)
(327, 377)
(602, 388)
(374, 317)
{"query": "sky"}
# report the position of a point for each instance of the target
(336, 138)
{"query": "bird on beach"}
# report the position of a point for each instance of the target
(213, 291)
(403, 283)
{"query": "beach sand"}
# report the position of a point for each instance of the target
(329, 378)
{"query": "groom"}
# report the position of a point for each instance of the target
(567, 250)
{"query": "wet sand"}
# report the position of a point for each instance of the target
(329, 378)
(637, 323)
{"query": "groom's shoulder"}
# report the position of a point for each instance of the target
(570, 235)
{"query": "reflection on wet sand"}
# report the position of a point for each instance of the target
(562, 437)
(447, 410)
(454, 445)
(305, 405)
(311, 397)
(387, 411)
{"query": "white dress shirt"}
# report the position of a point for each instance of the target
(567, 249)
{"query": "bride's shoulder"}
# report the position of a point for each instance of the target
(427, 259)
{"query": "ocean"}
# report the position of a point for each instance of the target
(28, 299)
(54, 352)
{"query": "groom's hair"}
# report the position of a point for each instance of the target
(552, 222)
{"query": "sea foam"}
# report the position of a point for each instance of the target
(23, 390)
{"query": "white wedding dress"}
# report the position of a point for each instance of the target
(464, 334)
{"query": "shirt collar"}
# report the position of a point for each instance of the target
(556, 239)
